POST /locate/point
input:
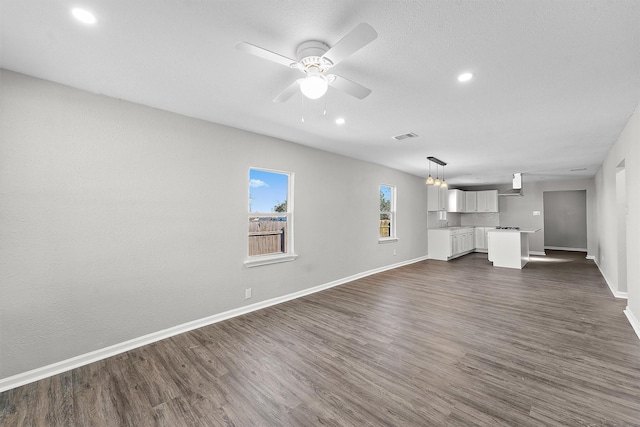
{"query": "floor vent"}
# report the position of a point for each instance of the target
(404, 136)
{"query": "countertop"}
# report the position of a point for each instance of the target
(459, 227)
(515, 231)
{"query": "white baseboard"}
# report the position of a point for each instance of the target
(635, 324)
(538, 253)
(84, 359)
(615, 292)
(591, 257)
(559, 248)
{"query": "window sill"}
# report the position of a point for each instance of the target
(269, 259)
(388, 240)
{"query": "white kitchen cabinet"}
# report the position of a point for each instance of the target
(437, 199)
(470, 201)
(481, 197)
(487, 201)
(481, 238)
(447, 243)
(456, 201)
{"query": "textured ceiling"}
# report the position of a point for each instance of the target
(555, 81)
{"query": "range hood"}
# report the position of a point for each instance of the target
(516, 188)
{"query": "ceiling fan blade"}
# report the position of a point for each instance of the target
(288, 92)
(266, 54)
(358, 38)
(346, 85)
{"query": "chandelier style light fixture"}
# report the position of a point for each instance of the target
(436, 182)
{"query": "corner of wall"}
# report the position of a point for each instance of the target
(635, 323)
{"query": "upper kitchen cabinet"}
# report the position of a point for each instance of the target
(457, 201)
(487, 201)
(470, 202)
(437, 199)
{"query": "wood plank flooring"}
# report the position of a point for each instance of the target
(435, 343)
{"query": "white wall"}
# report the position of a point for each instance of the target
(627, 150)
(118, 220)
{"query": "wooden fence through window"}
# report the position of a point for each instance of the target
(385, 228)
(267, 237)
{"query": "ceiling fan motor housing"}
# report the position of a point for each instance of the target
(310, 54)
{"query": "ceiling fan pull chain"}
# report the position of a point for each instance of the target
(302, 109)
(324, 113)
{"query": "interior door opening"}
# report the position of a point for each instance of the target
(621, 225)
(565, 220)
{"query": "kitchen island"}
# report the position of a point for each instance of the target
(509, 248)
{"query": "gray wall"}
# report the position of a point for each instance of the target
(565, 219)
(518, 210)
(119, 220)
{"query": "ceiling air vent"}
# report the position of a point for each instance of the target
(404, 136)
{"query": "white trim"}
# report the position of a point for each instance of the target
(559, 248)
(391, 213)
(590, 257)
(538, 253)
(615, 293)
(635, 324)
(290, 231)
(84, 359)
(388, 240)
(268, 259)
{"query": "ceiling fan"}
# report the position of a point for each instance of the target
(314, 59)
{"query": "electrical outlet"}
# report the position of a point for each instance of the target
(247, 293)
(536, 213)
(394, 252)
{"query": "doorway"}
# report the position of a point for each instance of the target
(621, 227)
(565, 220)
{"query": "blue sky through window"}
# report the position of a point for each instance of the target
(266, 190)
(386, 194)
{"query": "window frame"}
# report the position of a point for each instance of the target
(393, 237)
(273, 258)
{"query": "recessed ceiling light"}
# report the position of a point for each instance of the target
(83, 15)
(465, 77)
(340, 121)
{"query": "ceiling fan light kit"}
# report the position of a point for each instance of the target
(315, 85)
(314, 59)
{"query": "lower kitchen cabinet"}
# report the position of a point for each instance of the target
(448, 243)
(481, 238)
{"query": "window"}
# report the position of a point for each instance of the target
(387, 213)
(270, 220)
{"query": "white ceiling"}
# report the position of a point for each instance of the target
(555, 81)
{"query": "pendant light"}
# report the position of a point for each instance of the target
(429, 178)
(444, 183)
(436, 183)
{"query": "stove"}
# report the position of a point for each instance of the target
(507, 228)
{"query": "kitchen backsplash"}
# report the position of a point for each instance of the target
(480, 219)
(453, 220)
(465, 219)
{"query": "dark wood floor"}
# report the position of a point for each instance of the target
(456, 343)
